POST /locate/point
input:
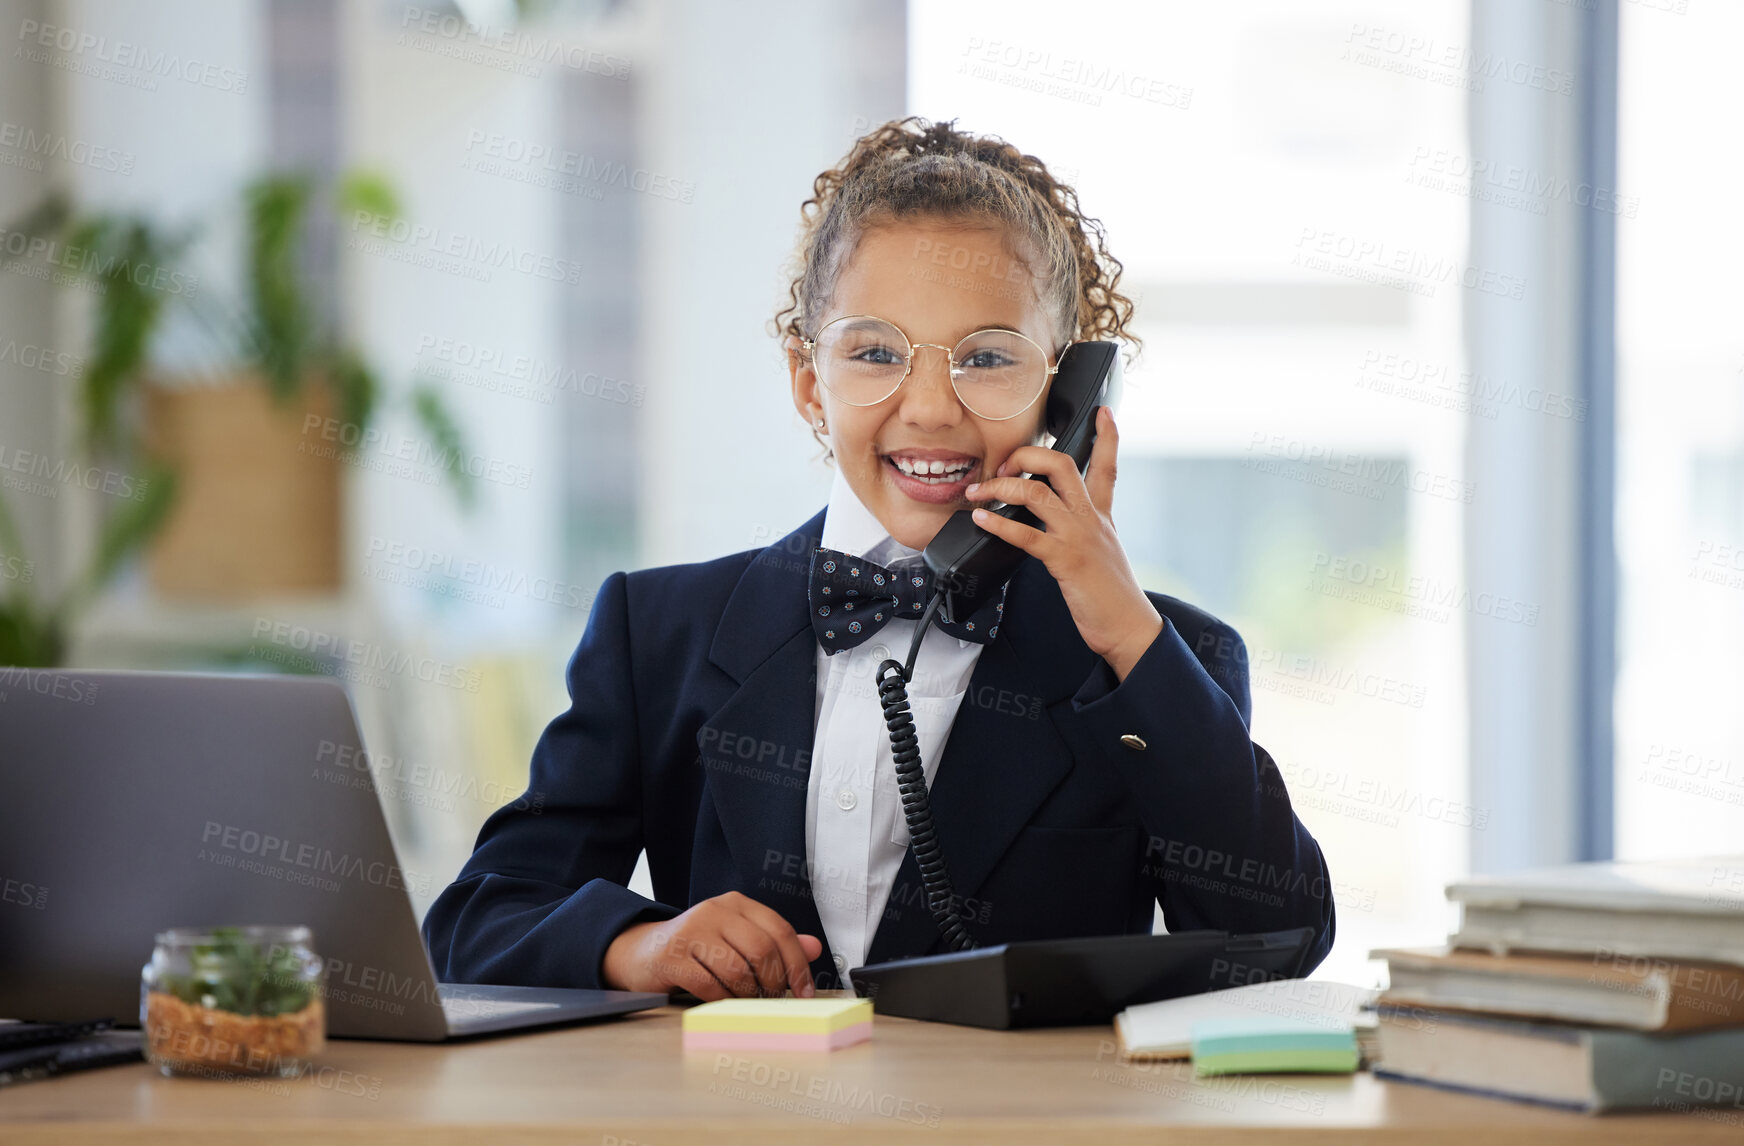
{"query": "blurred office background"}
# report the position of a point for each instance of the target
(1441, 401)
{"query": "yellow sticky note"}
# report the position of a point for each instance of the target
(779, 1016)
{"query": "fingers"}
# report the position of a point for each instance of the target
(731, 945)
(795, 961)
(701, 982)
(1027, 492)
(672, 963)
(1058, 468)
(1099, 476)
(703, 964)
(1026, 537)
(761, 954)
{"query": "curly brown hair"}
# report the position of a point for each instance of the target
(912, 167)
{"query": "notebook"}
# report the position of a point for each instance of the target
(1164, 1030)
(1272, 1046)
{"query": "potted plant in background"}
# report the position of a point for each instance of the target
(258, 512)
(34, 631)
(231, 508)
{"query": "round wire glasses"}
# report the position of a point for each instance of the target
(862, 359)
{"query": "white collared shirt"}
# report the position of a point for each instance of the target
(855, 833)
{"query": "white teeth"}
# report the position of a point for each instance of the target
(933, 472)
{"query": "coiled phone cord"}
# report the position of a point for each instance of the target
(911, 784)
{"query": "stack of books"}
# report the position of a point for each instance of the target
(1590, 987)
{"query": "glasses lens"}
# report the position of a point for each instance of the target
(861, 360)
(999, 373)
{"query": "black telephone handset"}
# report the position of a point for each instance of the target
(969, 565)
(970, 562)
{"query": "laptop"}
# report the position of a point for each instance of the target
(134, 802)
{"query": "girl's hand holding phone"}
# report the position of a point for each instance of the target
(726, 946)
(1079, 546)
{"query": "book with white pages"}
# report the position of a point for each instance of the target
(1647, 993)
(1689, 909)
(1164, 1030)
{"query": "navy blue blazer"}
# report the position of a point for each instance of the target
(690, 731)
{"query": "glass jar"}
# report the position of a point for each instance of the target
(233, 1001)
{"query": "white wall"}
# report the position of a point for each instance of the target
(726, 461)
(409, 114)
(195, 141)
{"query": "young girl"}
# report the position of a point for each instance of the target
(1085, 742)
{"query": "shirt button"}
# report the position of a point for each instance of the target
(846, 800)
(880, 653)
(841, 964)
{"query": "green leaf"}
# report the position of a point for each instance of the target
(449, 441)
(124, 258)
(281, 327)
(127, 529)
(27, 639)
(232, 973)
(356, 387)
(48, 219)
(370, 192)
(30, 636)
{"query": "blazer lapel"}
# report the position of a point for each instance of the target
(999, 764)
(757, 746)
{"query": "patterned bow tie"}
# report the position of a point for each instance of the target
(852, 598)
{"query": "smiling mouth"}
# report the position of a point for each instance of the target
(936, 472)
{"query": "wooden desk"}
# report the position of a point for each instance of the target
(627, 1081)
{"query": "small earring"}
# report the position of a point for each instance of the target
(820, 423)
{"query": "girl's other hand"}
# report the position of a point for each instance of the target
(723, 947)
(1079, 547)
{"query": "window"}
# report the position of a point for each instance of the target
(1288, 192)
(1680, 435)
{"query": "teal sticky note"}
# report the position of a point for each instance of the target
(1272, 1046)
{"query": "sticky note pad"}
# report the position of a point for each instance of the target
(1272, 1046)
(778, 1024)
